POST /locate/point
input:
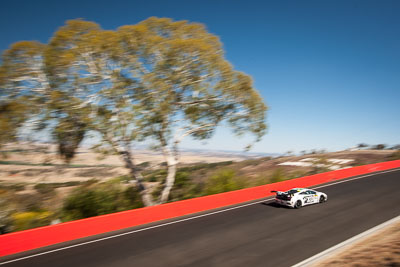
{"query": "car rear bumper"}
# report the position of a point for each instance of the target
(283, 202)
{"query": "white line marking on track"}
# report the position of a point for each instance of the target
(134, 231)
(181, 220)
(321, 255)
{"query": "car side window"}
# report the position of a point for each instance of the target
(303, 193)
(312, 192)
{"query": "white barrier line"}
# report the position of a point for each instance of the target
(178, 221)
(340, 246)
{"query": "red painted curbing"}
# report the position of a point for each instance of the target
(49, 235)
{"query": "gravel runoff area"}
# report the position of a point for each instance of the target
(379, 248)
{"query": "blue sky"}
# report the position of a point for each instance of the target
(328, 70)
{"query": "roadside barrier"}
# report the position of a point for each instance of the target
(49, 235)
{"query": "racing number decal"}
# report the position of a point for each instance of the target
(307, 200)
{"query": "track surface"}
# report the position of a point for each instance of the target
(256, 235)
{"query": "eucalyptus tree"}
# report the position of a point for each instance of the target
(32, 98)
(23, 86)
(185, 87)
(158, 79)
(87, 62)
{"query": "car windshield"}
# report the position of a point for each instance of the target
(291, 192)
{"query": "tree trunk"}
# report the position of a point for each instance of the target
(169, 182)
(171, 156)
(137, 176)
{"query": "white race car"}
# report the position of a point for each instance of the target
(298, 197)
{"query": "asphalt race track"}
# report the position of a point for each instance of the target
(257, 235)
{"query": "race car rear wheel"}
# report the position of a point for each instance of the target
(322, 199)
(298, 204)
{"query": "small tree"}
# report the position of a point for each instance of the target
(289, 153)
(362, 145)
(380, 146)
(395, 147)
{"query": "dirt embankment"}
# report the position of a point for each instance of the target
(379, 249)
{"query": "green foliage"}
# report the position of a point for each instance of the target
(90, 182)
(49, 188)
(157, 191)
(183, 186)
(223, 181)
(260, 179)
(278, 175)
(144, 164)
(101, 199)
(120, 179)
(69, 133)
(189, 190)
(395, 155)
(12, 115)
(195, 190)
(181, 179)
(30, 219)
(157, 175)
(19, 75)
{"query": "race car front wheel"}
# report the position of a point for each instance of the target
(298, 204)
(322, 199)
